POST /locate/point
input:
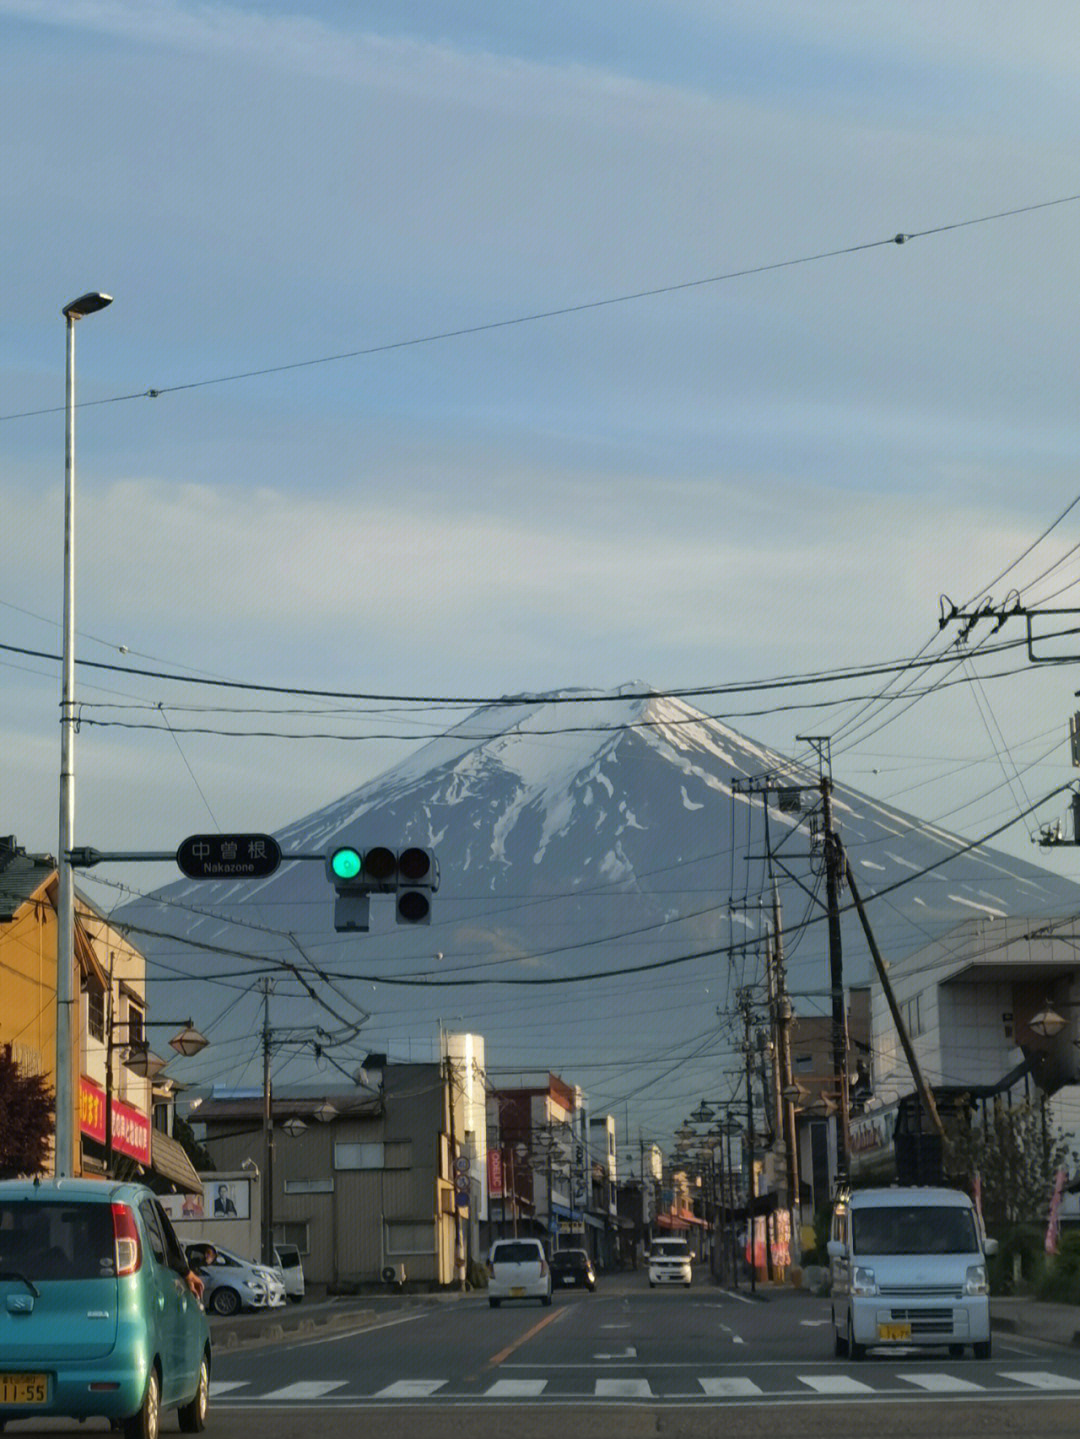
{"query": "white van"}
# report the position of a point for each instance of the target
(908, 1266)
(670, 1263)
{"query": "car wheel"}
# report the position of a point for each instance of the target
(546, 1299)
(144, 1423)
(839, 1341)
(225, 1301)
(855, 1351)
(296, 1298)
(494, 1303)
(192, 1416)
(982, 1350)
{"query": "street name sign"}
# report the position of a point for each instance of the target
(228, 856)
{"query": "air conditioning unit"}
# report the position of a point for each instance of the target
(394, 1274)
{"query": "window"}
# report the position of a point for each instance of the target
(323, 1185)
(359, 1156)
(95, 1013)
(136, 1031)
(291, 1235)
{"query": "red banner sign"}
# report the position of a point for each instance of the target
(495, 1173)
(130, 1127)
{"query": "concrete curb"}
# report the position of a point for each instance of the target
(276, 1331)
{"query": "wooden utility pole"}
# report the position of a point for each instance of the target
(925, 1093)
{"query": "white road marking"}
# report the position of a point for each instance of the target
(411, 1389)
(307, 1389)
(729, 1388)
(623, 1389)
(834, 1384)
(940, 1383)
(226, 1386)
(628, 1353)
(1040, 1380)
(515, 1389)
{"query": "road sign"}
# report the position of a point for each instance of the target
(228, 856)
(462, 1164)
(461, 1183)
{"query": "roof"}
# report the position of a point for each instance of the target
(354, 1103)
(21, 876)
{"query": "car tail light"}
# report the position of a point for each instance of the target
(543, 1267)
(126, 1235)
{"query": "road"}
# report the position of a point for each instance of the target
(627, 1362)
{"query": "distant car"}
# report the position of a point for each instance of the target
(291, 1268)
(670, 1263)
(572, 1269)
(234, 1283)
(96, 1317)
(518, 1269)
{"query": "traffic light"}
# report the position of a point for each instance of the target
(417, 879)
(411, 876)
(345, 869)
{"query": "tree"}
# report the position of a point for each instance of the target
(26, 1119)
(1016, 1155)
(198, 1154)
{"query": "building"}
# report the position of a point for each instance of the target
(361, 1179)
(111, 1066)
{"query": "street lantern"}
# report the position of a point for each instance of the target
(1047, 1022)
(189, 1041)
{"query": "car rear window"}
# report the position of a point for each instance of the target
(41, 1239)
(519, 1253)
(569, 1259)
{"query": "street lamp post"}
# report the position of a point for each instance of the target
(65, 904)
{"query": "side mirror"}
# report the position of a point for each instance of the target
(990, 1246)
(835, 1249)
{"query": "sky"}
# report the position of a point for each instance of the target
(503, 349)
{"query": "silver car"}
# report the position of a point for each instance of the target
(234, 1283)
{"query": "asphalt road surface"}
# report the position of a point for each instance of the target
(626, 1361)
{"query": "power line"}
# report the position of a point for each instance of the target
(903, 237)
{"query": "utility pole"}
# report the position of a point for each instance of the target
(751, 1179)
(268, 1138)
(834, 869)
(786, 1091)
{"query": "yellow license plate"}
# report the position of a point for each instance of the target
(894, 1331)
(518, 1292)
(24, 1388)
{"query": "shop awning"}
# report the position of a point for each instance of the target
(169, 1159)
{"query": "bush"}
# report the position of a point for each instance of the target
(1023, 1242)
(1060, 1273)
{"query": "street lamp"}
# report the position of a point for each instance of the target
(141, 1060)
(65, 903)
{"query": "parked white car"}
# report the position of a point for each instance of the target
(234, 1283)
(670, 1263)
(291, 1268)
(518, 1269)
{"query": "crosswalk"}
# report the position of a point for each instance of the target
(825, 1384)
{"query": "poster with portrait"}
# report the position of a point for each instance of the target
(220, 1199)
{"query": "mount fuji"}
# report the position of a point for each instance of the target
(605, 893)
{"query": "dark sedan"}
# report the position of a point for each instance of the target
(572, 1269)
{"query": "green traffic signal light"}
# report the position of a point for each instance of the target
(346, 863)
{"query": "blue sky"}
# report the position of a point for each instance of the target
(770, 474)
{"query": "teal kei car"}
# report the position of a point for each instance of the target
(96, 1315)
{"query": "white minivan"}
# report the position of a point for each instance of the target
(908, 1266)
